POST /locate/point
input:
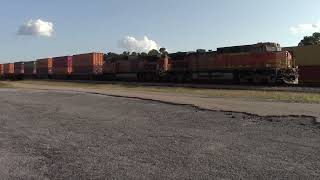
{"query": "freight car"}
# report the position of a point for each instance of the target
(137, 67)
(87, 66)
(62, 67)
(259, 63)
(1, 72)
(30, 70)
(44, 68)
(18, 70)
(308, 60)
(8, 71)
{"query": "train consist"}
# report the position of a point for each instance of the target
(258, 63)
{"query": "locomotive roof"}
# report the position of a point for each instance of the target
(267, 46)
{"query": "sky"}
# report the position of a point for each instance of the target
(36, 28)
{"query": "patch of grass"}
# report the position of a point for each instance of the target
(4, 85)
(255, 95)
(259, 95)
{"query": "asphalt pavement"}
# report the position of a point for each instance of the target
(74, 135)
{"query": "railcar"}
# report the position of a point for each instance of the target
(19, 70)
(62, 67)
(1, 71)
(141, 68)
(87, 66)
(8, 71)
(30, 70)
(256, 64)
(44, 68)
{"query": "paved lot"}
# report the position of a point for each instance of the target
(236, 104)
(68, 135)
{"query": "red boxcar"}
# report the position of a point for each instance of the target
(309, 75)
(87, 65)
(62, 67)
(44, 68)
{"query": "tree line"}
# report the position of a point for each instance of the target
(314, 39)
(153, 52)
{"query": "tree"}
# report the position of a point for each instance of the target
(134, 54)
(126, 53)
(143, 54)
(201, 50)
(110, 56)
(163, 51)
(310, 40)
(154, 52)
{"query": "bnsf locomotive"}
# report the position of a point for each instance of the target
(258, 63)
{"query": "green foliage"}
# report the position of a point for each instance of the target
(110, 56)
(310, 40)
(126, 53)
(163, 51)
(154, 52)
(201, 50)
(134, 54)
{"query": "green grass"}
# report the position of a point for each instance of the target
(256, 95)
(4, 85)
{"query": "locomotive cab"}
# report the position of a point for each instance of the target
(290, 74)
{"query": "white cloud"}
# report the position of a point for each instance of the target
(36, 28)
(305, 29)
(135, 45)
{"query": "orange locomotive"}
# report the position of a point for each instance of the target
(259, 63)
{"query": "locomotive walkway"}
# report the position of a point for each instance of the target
(257, 107)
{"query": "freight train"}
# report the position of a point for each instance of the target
(257, 63)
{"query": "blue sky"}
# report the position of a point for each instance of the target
(179, 25)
